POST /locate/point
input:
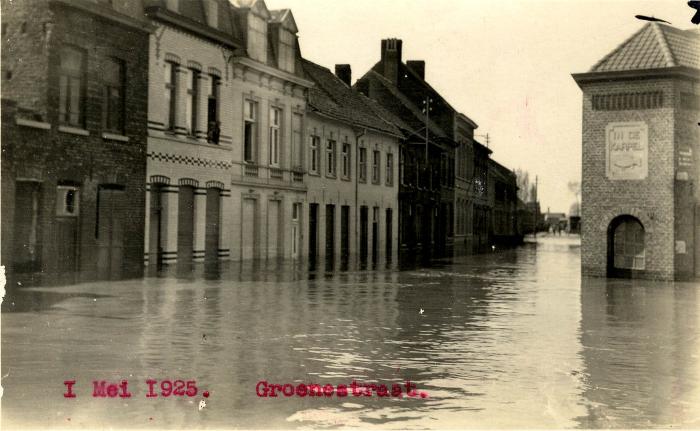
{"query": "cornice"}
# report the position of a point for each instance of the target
(682, 72)
(247, 63)
(160, 14)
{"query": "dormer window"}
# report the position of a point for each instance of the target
(212, 13)
(172, 5)
(286, 51)
(257, 38)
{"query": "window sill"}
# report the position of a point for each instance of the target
(346, 178)
(73, 130)
(315, 174)
(331, 176)
(31, 123)
(114, 137)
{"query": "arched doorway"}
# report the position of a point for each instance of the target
(626, 249)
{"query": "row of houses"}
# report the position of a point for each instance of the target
(174, 131)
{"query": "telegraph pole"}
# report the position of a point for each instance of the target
(426, 109)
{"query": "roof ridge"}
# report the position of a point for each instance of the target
(619, 47)
(661, 38)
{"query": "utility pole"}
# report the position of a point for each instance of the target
(488, 139)
(426, 109)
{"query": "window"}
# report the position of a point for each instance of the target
(363, 164)
(170, 102)
(389, 169)
(330, 158)
(345, 156)
(375, 167)
(250, 131)
(213, 124)
(257, 38)
(296, 140)
(113, 102)
(286, 51)
(314, 162)
(67, 202)
(275, 119)
(212, 13)
(191, 111)
(71, 82)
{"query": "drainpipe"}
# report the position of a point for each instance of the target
(358, 135)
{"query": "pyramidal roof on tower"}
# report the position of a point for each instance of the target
(654, 46)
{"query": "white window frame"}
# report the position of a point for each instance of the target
(275, 136)
(250, 108)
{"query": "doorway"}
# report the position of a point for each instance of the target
(626, 247)
(109, 227)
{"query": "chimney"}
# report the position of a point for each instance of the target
(391, 59)
(344, 73)
(418, 67)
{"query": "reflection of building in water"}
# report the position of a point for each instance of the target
(230, 335)
(640, 146)
(640, 354)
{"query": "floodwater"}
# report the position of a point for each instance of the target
(509, 339)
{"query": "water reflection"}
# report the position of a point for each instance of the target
(640, 349)
(507, 339)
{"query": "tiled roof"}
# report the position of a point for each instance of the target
(410, 117)
(332, 97)
(654, 46)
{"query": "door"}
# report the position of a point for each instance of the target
(626, 247)
(185, 224)
(26, 245)
(248, 229)
(345, 232)
(212, 225)
(375, 234)
(313, 232)
(67, 213)
(389, 234)
(110, 233)
(364, 234)
(155, 234)
(330, 232)
(296, 230)
(273, 230)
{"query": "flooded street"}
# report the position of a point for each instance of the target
(507, 339)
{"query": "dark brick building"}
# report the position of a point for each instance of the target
(74, 89)
(426, 172)
(640, 194)
(447, 188)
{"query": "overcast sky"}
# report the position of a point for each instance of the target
(505, 64)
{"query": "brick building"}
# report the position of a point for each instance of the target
(352, 173)
(503, 201)
(190, 131)
(75, 88)
(640, 166)
(447, 186)
(427, 154)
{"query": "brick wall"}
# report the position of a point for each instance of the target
(650, 200)
(687, 193)
(87, 159)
